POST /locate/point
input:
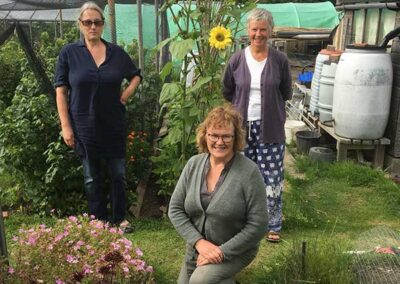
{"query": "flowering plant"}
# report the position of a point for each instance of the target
(75, 250)
(220, 37)
(204, 39)
(138, 151)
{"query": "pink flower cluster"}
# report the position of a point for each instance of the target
(76, 249)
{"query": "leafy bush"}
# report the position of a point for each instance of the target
(47, 174)
(138, 161)
(142, 109)
(75, 250)
(11, 58)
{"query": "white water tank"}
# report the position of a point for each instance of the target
(322, 56)
(326, 91)
(362, 90)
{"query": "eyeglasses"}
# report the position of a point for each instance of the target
(225, 138)
(89, 23)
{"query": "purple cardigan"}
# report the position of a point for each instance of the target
(276, 88)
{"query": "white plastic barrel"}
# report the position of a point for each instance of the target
(326, 91)
(362, 90)
(322, 56)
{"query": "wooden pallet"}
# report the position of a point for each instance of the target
(345, 144)
(309, 119)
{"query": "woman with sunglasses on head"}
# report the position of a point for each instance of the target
(91, 108)
(257, 81)
(218, 205)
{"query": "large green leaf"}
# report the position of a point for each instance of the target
(163, 43)
(181, 48)
(169, 90)
(199, 83)
(166, 71)
(174, 135)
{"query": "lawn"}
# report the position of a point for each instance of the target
(326, 208)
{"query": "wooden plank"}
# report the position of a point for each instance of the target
(344, 140)
(345, 144)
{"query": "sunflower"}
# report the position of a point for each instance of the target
(220, 37)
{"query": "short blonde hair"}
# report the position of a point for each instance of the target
(218, 117)
(91, 6)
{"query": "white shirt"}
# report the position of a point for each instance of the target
(256, 68)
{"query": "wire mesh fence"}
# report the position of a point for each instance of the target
(377, 257)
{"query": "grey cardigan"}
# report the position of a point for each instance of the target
(276, 88)
(236, 219)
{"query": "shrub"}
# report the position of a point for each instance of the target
(75, 250)
(138, 153)
(47, 173)
(11, 58)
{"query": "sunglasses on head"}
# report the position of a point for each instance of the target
(89, 23)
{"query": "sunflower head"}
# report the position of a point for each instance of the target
(220, 37)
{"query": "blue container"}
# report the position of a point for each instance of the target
(305, 78)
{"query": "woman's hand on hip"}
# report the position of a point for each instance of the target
(208, 252)
(68, 136)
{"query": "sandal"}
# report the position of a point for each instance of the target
(126, 227)
(273, 237)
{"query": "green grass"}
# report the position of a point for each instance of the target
(327, 209)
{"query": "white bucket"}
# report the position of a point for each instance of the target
(291, 127)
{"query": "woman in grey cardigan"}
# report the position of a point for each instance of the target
(218, 205)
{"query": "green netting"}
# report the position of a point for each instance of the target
(303, 15)
(126, 18)
(299, 15)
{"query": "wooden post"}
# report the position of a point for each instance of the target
(303, 259)
(3, 244)
(111, 19)
(164, 35)
(140, 34)
(157, 34)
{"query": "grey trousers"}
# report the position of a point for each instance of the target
(222, 273)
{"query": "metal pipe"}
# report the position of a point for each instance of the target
(61, 22)
(318, 36)
(393, 5)
(140, 34)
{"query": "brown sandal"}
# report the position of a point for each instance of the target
(273, 237)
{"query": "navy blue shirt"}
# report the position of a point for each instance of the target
(96, 113)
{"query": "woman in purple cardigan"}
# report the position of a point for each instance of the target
(257, 81)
